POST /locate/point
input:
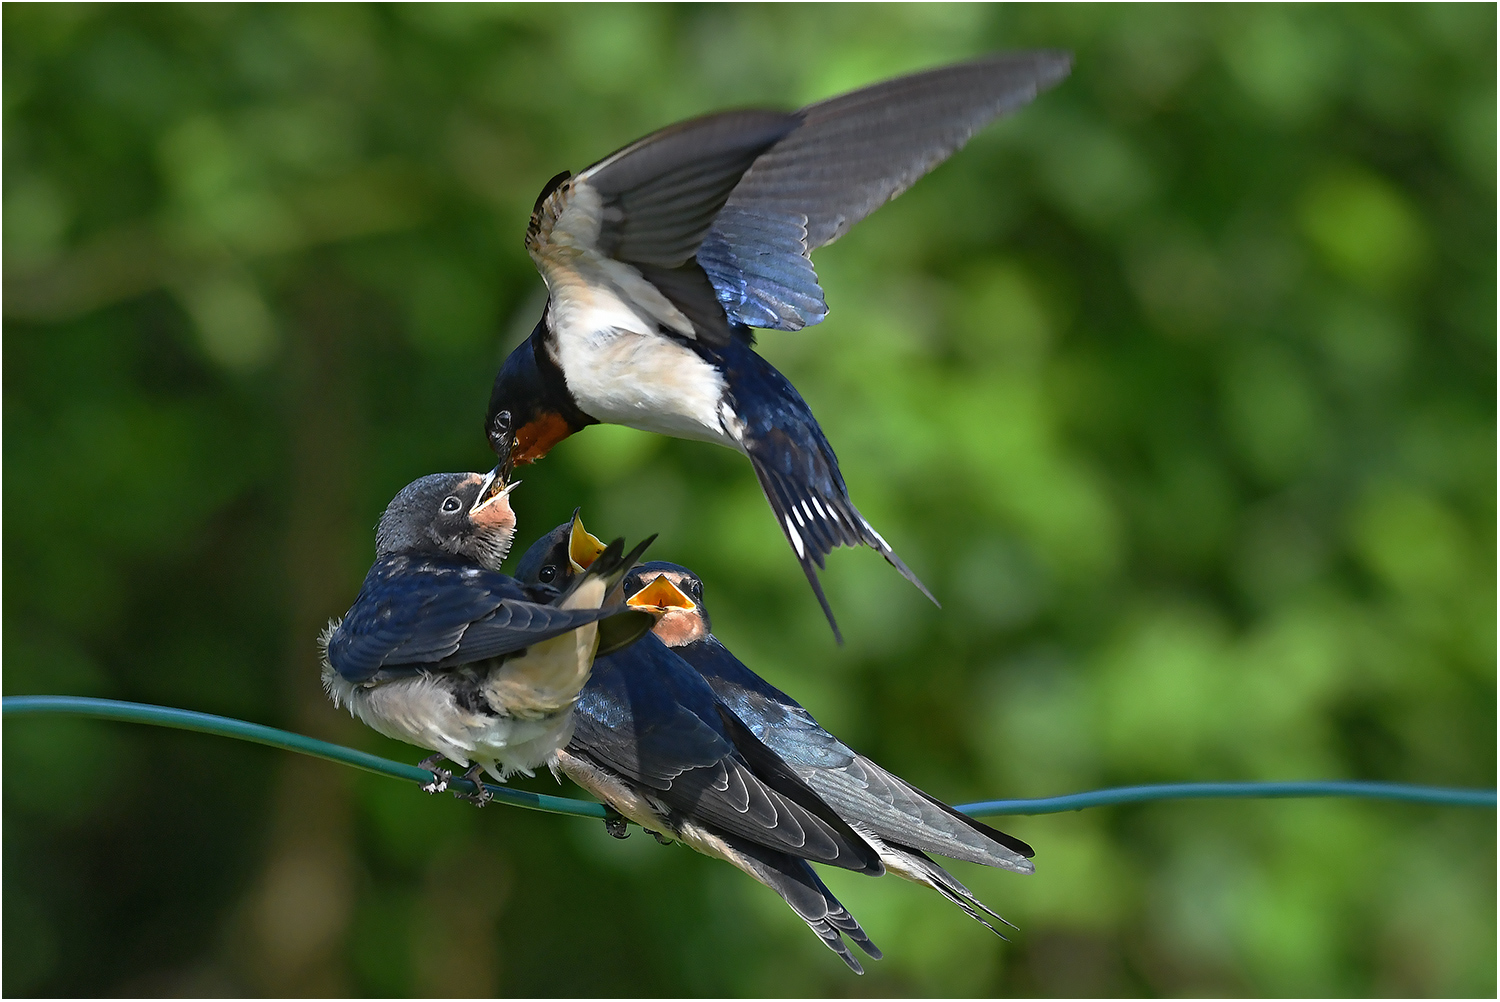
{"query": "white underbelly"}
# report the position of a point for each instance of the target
(644, 381)
(421, 711)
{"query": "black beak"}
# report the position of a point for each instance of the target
(502, 442)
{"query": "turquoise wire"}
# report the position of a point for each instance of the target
(208, 723)
(1368, 790)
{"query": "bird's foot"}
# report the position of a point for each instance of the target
(480, 796)
(660, 837)
(616, 827)
(440, 776)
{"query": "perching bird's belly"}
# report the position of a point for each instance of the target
(428, 711)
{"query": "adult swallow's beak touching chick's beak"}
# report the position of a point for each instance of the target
(494, 498)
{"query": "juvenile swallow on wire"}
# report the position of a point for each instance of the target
(652, 741)
(661, 258)
(443, 651)
(900, 821)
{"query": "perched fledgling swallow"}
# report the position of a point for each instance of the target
(901, 821)
(652, 741)
(660, 258)
(443, 651)
(898, 819)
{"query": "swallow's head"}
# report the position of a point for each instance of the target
(675, 595)
(462, 514)
(529, 412)
(553, 560)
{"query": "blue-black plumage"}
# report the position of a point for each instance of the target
(899, 820)
(660, 258)
(902, 821)
(653, 741)
(443, 651)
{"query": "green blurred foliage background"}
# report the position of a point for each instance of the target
(1177, 387)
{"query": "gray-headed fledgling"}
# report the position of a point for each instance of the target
(443, 651)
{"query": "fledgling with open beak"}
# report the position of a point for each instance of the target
(661, 258)
(902, 822)
(443, 651)
(652, 741)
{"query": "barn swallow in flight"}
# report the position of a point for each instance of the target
(660, 258)
(652, 741)
(443, 651)
(900, 821)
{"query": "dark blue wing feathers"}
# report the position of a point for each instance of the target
(848, 156)
(431, 613)
(855, 786)
(757, 261)
(647, 715)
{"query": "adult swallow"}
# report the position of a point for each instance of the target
(660, 258)
(652, 741)
(443, 651)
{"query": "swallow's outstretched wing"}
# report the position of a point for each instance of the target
(629, 226)
(848, 156)
(711, 222)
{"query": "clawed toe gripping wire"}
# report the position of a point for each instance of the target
(208, 723)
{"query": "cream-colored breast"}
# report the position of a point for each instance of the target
(606, 320)
(643, 381)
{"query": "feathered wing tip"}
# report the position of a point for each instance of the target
(806, 895)
(830, 920)
(1018, 853)
(849, 155)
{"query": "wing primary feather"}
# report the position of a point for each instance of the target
(849, 155)
(777, 775)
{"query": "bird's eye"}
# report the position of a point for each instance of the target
(451, 504)
(547, 573)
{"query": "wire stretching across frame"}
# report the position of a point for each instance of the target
(208, 723)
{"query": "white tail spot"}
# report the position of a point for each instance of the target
(796, 540)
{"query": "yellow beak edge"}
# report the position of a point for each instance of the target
(583, 547)
(661, 594)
